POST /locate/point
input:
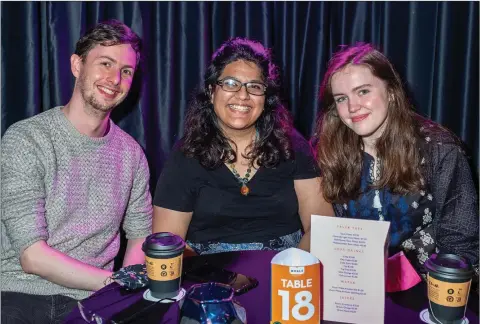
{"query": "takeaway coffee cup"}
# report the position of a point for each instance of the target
(163, 258)
(449, 278)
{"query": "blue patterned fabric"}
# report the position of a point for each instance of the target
(278, 244)
(442, 219)
(407, 214)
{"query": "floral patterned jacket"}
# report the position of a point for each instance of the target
(443, 218)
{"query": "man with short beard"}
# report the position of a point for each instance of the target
(70, 178)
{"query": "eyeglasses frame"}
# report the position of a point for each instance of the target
(220, 83)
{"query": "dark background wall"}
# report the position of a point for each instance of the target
(434, 46)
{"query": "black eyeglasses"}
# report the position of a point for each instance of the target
(233, 85)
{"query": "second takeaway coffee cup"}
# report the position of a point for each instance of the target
(449, 278)
(163, 258)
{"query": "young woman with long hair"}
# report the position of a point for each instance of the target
(241, 178)
(382, 161)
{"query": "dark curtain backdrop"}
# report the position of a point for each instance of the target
(434, 46)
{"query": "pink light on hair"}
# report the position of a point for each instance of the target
(235, 44)
(345, 56)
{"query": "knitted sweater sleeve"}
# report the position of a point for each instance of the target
(138, 217)
(23, 190)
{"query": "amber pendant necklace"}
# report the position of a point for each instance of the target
(244, 190)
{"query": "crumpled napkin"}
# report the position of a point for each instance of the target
(400, 273)
(131, 277)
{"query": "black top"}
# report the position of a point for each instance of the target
(220, 212)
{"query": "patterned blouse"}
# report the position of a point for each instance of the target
(442, 218)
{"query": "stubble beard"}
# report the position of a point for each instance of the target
(90, 101)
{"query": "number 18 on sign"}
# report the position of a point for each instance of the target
(295, 288)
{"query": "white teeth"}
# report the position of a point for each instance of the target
(107, 90)
(239, 108)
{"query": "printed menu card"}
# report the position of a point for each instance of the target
(353, 255)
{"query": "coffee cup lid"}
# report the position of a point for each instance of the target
(163, 241)
(451, 264)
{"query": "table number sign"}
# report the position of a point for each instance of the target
(353, 254)
(295, 288)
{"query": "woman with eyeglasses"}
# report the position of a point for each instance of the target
(241, 178)
(382, 161)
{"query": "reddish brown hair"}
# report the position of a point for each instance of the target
(339, 150)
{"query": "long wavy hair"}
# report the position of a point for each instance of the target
(339, 150)
(203, 138)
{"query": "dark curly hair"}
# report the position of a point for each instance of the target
(204, 140)
(108, 33)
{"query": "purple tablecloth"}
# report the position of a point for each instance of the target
(116, 304)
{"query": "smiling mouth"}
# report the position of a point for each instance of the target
(359, 118)
(109, 93)
(240, 108)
